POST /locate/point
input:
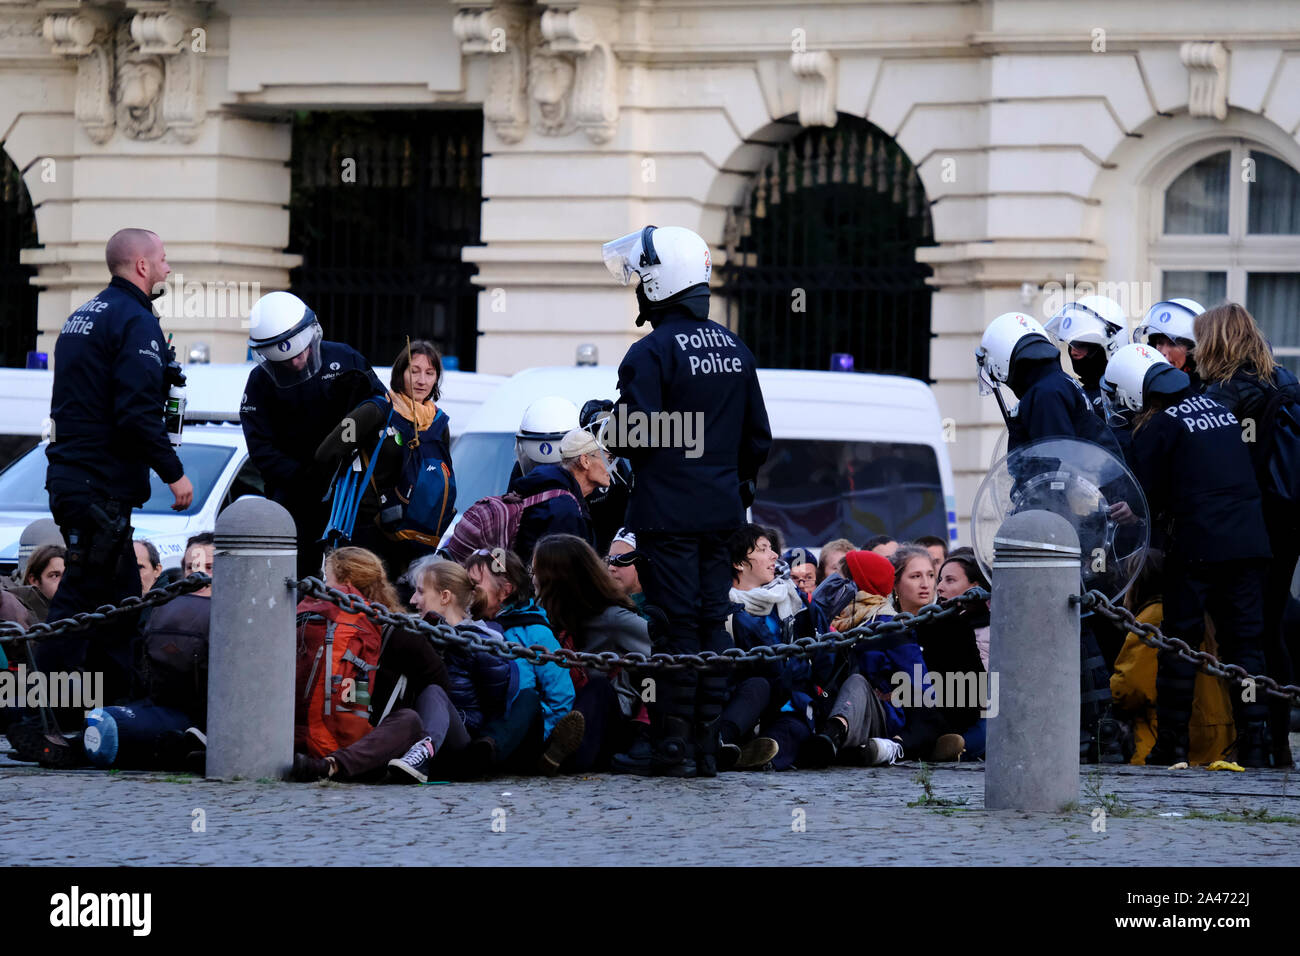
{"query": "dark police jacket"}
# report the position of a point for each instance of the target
(107, 403)
(285, 426)
(559, 515)
(694, 370)
(1196, 473)
(1054, 406)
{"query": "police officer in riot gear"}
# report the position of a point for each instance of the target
(685, 501)
(300, 390)
(1170, 328)
(1093, 329)
(107, 409)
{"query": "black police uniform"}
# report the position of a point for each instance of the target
(107, 407)
(285, 426)
(1197, 476)
(685, 502)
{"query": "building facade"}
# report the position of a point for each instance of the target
(876, 178)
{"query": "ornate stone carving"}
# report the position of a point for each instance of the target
(572, 30)
(817, 87)
(500, 32)
(550, 81)
(87, 36)
(140, 79)
(1207, 79)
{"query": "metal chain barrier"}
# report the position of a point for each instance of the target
(12, 631)
(605, 660)
(1151, 635)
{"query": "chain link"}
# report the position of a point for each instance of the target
(12, 631)
(1151, 635)
(605, 660)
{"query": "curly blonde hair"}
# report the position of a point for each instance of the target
(364, 571)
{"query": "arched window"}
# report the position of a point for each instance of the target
(1229, 230)
(17, 294)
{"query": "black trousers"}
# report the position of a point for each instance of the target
(1279, 657)
(100, 569)
(1232, 592)
(688, 577)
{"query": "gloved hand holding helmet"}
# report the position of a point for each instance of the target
(672, 263)
(285, 338)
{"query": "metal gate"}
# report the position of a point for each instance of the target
(382, 205)
(821, 255)
(17, 294)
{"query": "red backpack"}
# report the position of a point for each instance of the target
(493, 522)
(337, 654)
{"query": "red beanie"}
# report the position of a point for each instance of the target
(873, 573)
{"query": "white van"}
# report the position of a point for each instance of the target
(854, 455)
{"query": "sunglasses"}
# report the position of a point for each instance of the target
(624, 560)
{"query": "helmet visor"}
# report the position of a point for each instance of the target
(622, 256)
(985, 381)
(293, 361)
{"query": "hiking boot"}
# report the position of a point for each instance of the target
(414, 767)
(758, 754)
(673, 754)
(728, 756)
(1170, 748)
(564, 741)
(879, 751)
(307, 768)
(1254, 744)
(1110, 740)
(636, 760)
(478, 759)
(820, 750)
(708, 744)
(948, 748)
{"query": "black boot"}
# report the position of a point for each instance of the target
(707, 745)
(1254, 744)
(1171, 748)
(674, 753)
(637, 758)
(821, 750)
(1110, 740)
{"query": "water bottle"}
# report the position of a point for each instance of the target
(175, 413)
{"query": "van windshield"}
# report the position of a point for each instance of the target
(22, 484)
(482, 461)
(815, 491)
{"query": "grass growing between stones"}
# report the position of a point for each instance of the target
(925, 777)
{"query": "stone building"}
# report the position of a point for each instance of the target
(876, 178)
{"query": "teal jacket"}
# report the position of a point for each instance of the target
(527, 624)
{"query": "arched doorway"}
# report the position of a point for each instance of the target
(821, 255)
(17, 294)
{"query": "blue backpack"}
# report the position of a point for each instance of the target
(420, 504)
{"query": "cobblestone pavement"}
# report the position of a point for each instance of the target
(840, 816)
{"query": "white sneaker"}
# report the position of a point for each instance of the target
(882, 751)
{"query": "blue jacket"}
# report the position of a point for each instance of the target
(527, 624)
(1052, 405)
(797, 683)
(285, 426)
(879, 659)
(107, 402)
(560, 515)
(694, 370)
(828, 599)
(479, 682)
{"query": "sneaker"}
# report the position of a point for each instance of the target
(62, 753)
(307, 768)
(564, 741)
(728, 756)
(757, 754)
(948, 748)
(414, 767)
(821, 749)
(880, 750)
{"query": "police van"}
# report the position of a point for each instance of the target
(213, 452)
(853, 455)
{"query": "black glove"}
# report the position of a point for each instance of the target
(173, 374)
(747, 493)
(592, 410)
(658, 627)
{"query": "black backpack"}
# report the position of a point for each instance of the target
(1280, 448)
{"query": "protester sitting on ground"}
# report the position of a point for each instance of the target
(803, 571)
(958, 574)
(582, 469)
(832, 553)
(41, 577)
(883, 544)
(622, 563)
(504, 595)
(937, 547)
(1211, 731)
(590, 613)
(767, 610)
(857, 728)
(200, 551)
(830, 597)
(954, 656)
(149, 564)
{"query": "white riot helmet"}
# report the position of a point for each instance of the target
(545, 422)
(285, 338)
(1137, 370)
(1011, 336)
(1092, 319)
(669, 260)
(1175, 319)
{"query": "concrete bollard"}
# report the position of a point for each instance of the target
(1032, 760)
(251, 644)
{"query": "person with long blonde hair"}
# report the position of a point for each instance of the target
(1236, 361)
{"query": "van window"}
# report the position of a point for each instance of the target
(816, 491)
(482, 461)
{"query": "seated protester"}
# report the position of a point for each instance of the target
(622, 564)
(832, 553)
(582, 469)
(590, 613)
(803, 571)
(954, 655)
(41, 578)
(858, 723)
(200, 551)
(148, 563)
(410, 706)
(937, 547)
(391, 521)
(764, 611)
(883, 544)
(831, 597)
(958, 574)
(503, 594)
(1210, 730)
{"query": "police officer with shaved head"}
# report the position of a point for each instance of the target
(692, 422)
